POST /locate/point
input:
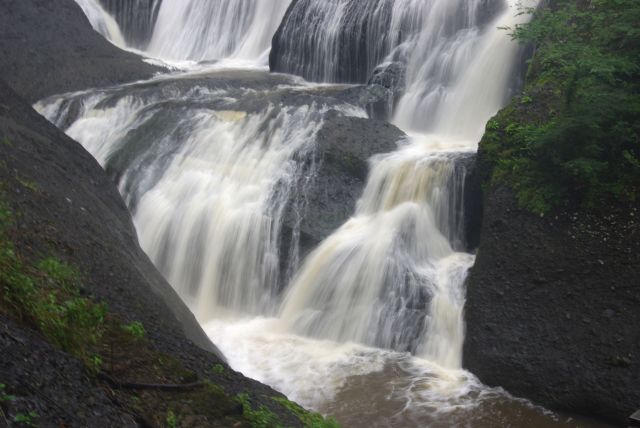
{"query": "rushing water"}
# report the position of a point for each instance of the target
(369, 326)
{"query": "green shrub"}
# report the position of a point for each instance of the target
(258, 418)
(136, 329)
(47, 295)
(26, 418)
(574, 136)
(309, 419)
(171, 419)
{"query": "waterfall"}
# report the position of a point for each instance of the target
(208, 182)
(210, 30)
(390, 277)
(344, 40)
(383, 277)
(457, 79)
(194, 30)
(456, 62)
(212, 165)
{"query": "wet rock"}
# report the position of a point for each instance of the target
(390, 76)
(345, 145)
(386, 86)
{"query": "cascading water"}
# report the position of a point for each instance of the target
(372, 280)
(455, 62)
(457, 79)
(207, 183)
(370, 327)
(194, 30)
(345, 40)
(212, 30)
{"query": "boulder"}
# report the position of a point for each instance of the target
(49, 47)
(552, 308)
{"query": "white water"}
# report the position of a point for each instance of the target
(209, 189)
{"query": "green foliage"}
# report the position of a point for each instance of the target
(260, 418)
(47, 296)
(309, 419)
(574, 136)
(26, 418)
(172, 419)
(217, 369)
(57, 272)
(136, 329)
(4, 397)
(95, 363)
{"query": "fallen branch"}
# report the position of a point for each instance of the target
(153, 386)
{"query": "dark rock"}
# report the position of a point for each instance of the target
(48, 47)
(386, 85)
(391, 76)
(566, 360)
(345, 145)
(53, 384)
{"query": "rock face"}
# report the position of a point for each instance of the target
(48, 47)
(53, 382)
(553, 304)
